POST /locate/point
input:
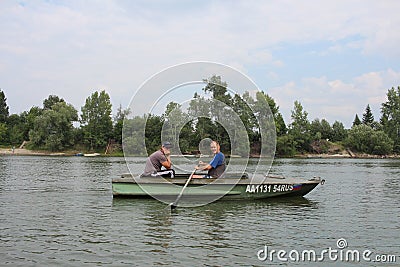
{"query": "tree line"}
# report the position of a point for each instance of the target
(52, 127)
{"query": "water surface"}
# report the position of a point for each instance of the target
(60, 211)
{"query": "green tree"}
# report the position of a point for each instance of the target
(119, 124)
(339, 133)
(53, 129)
(4, 112)
(154, 124)
(29, 119)
(96, 120)
(175, 126)
(285, 146)
(391, 116)
(242, 106)
(133, 136)
(362, 138)
(321, 129)
(368, 117)
(51, 100)
(262, 112)
(3, 133)
(300, 128)
(218, 89)
(356, 121)
(16, 129)
(199, 109)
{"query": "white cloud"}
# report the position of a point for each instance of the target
(72, 48)
(337, 100)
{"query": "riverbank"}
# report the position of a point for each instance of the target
(354, 156)
(28, 152)
(342, 154)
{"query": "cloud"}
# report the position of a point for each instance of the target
(72, 48)
(337, 100)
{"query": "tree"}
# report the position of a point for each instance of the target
(299, 128)
(368, 118)
(356, 121)
(285, 146)
(339, 133)
(4, 112)
(53, 129)
(391, 116)
(119, 124)
(3, 133)
(16, 129)
(364, 139)
(242, 106)
(321, 129)
(176, 125)
(218, 88)
(262, 112)
(29, 119)
(133, 136)
(153, 129)
(96, 120)
(50, 101)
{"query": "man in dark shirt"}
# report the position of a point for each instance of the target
(157, 160)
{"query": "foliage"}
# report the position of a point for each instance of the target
(119, 124)
(218, 89)
(339, 133)
(356, 121)
(16, 129)
(3, 133)
(321, 129)
(96, 120)
(391, 116)
(299, 128)
(362, 138)
(50, 101)
(153, 128)
(368, 117)
(285, 146)
(133, 138)
(4, 110)
(53, 129)
(207, 116)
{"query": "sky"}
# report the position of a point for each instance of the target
(335, 57)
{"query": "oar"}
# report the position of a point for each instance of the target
(174, 204)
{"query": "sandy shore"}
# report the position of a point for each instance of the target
(21, 151)
(27, 152)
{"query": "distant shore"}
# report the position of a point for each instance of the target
(344, 154)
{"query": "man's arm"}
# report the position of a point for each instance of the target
(167, 164)
(203, 167)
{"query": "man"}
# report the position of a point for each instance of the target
(216, 167)
(157, 160)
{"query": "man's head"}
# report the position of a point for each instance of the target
(214, 146)
(166, 147)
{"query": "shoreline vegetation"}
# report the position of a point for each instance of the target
(344, 154)
(57, 128)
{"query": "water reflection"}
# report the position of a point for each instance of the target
(60, 211)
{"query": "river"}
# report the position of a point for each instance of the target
(60, 211)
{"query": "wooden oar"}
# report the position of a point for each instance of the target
(174, 204)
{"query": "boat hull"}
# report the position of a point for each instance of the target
(269, 187)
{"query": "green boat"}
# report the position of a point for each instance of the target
(232, 186)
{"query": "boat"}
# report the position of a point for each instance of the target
(91, 155)
(232, 186)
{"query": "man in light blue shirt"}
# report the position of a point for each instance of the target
(216, 167)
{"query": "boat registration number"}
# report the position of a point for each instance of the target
(263, 188)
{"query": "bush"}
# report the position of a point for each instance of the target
(362, 138)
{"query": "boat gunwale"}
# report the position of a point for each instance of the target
(217, 181)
